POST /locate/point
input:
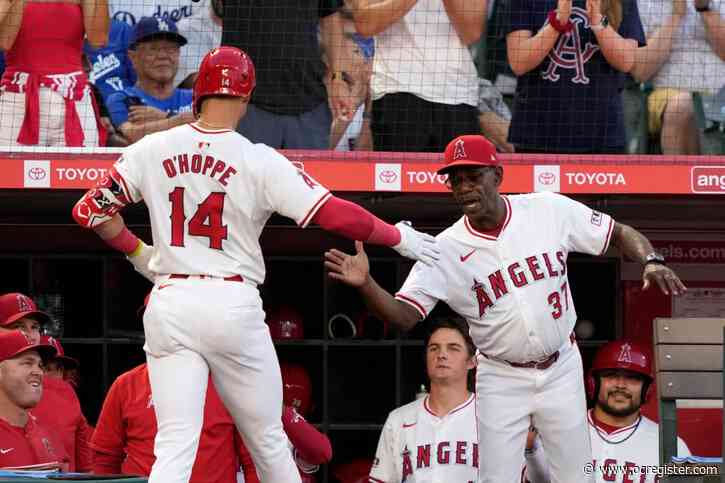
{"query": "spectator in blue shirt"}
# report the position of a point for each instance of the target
(153, 104)
(110, 68)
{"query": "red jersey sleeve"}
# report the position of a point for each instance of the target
(84, 452)
(311, 445)
(109, 436)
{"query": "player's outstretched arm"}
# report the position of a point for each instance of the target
(356, 223)
(636, 246)
(354, 270)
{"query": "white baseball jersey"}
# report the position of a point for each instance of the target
(416, 446)
(629, 454)
(626, 455)
(512, 287)
(240, 184)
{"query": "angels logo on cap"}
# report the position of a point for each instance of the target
(460, 151)
(625, 354)
(470, 150)
(24, 303)
(27, 337)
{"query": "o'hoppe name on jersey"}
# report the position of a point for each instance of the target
(520, 273)
(445, 453)
(198, 164)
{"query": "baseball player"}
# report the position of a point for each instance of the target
(210, 192)
(25, 441)
(59, 408)
(123, 441)
(503, 267)
(625, 444)
(435, 438)
(61, 366)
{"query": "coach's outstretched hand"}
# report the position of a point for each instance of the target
(350, 269)
(416, 245)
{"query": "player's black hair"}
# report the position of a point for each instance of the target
(457, 323)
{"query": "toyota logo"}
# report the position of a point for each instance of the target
(36, 173)
(547, 178)
(388, 176)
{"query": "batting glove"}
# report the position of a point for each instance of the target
(140, 259)
(416, 245)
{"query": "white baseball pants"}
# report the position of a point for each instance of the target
(508, 396)
(195, 326)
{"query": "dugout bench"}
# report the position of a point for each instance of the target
(689, 360)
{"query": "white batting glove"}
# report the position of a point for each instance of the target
(140, 261)
(416, 245)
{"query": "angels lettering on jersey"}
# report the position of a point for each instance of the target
(443, 453)
(489, 289)
(573, 50)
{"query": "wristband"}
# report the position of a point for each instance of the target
(125, 242)
(558, 26)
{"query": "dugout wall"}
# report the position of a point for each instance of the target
(357, 381)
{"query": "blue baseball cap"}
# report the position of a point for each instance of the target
(151, 28)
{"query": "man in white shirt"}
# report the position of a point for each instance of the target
(424, 83)
(203, 33)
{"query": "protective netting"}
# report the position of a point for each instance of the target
(545, 76)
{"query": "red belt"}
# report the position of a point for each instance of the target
(233, 278)
(541, 365)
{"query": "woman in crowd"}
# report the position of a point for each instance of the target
(45, 98)
(570, 58)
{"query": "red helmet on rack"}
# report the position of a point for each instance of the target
(224, 71)
(355, 471)
(296, 387)
(622, 355)
(285, 323)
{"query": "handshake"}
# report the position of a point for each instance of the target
(413, 244)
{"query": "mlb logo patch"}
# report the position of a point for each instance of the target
(596, 218)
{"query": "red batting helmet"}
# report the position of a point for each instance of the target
(285, 323)
(224, 71)
(296, 387)
(623, 355)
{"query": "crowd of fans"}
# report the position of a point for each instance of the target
(387, 75)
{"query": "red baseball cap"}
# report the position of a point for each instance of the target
(16, 342)
(469, 150)
(67, 362)
(15, 306)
